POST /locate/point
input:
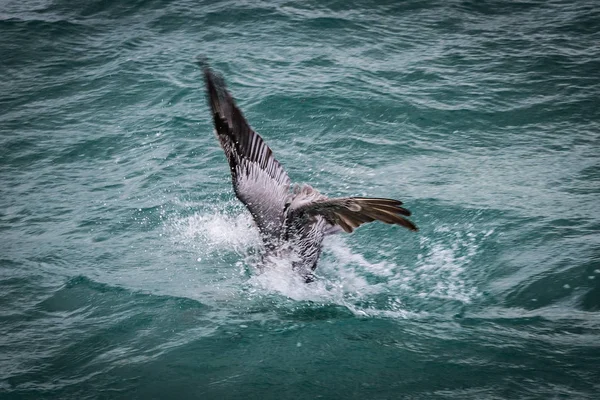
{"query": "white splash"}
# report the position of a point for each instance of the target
(442, 266)
(215, 231)
(278, 277)
(344, 277)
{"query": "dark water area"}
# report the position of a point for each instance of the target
(126, 263)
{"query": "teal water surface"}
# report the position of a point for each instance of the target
(127, 266)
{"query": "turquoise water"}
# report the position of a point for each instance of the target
(126, 263)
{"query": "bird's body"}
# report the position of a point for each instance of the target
(291, 222)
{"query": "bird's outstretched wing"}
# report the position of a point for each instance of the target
(348, 213)
(259, 181)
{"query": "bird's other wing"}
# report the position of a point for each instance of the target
(348, 213)
(259, 181)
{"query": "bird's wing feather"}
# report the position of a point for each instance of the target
(348, 213)
(259, 181)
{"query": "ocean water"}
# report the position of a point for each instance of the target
(127, 266)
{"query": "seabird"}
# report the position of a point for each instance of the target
(291, 222)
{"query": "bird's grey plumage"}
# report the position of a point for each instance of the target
(294, 221)
(259, 181)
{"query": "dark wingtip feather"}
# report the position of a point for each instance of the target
(410, 225)
(212, 79)
(218, 98)
(386, 210)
